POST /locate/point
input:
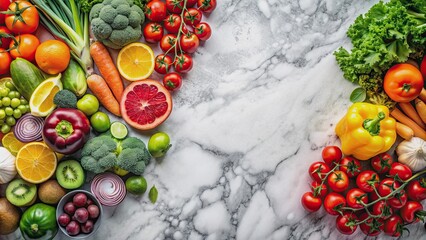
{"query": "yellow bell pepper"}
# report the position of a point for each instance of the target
(366, 130)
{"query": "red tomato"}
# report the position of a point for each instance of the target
(372, 226)
(175, 6)
(372, 196)
(318, 189)
(412, 211)
(398, 200)
(190, 3)
(331, 155)
(382, 163)
(4, 4)
(380, 208)
(163, 63)
(318, 170)
(311, 203)
(5, 41)
(192, 16)
(156, 11)
(346, 223)
(338, 181)
(172, 81)
(203, 31)
(393, 226)
(168, 42)
(423, 67)
(153, 32)
(172, 23)
(416, 190)
(355, 197)
(189, 42)
(402, 170)
(333, 203)
(367, 180)
(183, 63)
(351, 166)
(387, 186)
(5, 60)
(403, 82)
(28, 44)
(25, 20)
(206, 5)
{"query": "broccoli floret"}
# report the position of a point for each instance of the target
(99, 154)
(133, 156)
(96, 9)
(120, 22)
(124, 10)
(134, 19)
(65, 99)
(108, 14)
(101, 29)
(118, 39)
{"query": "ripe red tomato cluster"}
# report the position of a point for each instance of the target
(178, 29)
(384, 198)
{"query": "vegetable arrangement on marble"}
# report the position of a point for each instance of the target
(55, 125)
(376, 179)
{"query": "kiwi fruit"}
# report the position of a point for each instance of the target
(9, 217)
(50, 192)
(21, 193)
(70, 174)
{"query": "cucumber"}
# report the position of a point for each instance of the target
(25, 76)
(74, 79)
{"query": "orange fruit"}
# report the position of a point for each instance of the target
(36, 162)
(53, 56)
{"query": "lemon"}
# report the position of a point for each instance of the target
(136, 61)
(41, 102)
(12, 144)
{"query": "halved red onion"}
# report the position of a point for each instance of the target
(28, 128)
(108, 188)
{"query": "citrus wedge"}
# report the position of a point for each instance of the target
(136, 61)
(36, 162)
(12, 144)
(41, 102)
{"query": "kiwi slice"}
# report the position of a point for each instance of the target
(21, 193)
(70, 174)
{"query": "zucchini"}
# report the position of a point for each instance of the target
(25, 76)
(74, 79)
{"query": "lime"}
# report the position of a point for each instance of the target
(159, 144)
(136, 185)
(100, 121)
(118, 130)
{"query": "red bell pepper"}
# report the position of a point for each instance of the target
(66, 130)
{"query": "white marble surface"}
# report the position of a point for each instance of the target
(253, 114)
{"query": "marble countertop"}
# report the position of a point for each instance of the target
(256, 110)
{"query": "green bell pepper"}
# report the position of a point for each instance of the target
(39, 222)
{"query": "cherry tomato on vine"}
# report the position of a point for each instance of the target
(175, 6)
(333, 203)
(402, 170)
(206, 5)
(372, 226)
(382, 163)
(5, 60)
(367, 180)
(338, 181)
(403, 82)
(416, 190)
(156, 11)
(346, 223)
(331, 155)
(351, 166)
(381, 208)
(203, 31)
(398, 200)
(28, 44)
(172, 81)
(190, 3)
(355, 197)
(153, 32)
(183, 63)
(318, 189)
(4, 4)
(318, 170)
(168, 42)
(412, 212)
(192, 16)
(387, 186)
(163, 63)
(393, 226)
(189, 42)
(5, 41)
(172, 23)
(25, 18)
(311, 203)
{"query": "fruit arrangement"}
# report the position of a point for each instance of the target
(55, 128)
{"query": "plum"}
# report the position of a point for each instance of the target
(79, 200)
(93, 211)
(81, 215)
(64, 219)
(73, 228)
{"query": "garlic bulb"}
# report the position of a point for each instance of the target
(412, 153)
(7, 166)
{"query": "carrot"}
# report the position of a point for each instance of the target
(421, 109)
(107, 68)
(401, 117)
(404, 131)
(409, 110)
(99, 87)
(422, 95)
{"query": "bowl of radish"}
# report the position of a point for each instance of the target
(79, 214)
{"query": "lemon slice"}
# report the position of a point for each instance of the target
(12, 144)
(136, 61)
(41, 102)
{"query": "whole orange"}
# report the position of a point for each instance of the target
(53, 56)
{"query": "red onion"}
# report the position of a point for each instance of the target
(108, 188)
(28, 128)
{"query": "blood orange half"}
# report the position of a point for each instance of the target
(145, 104)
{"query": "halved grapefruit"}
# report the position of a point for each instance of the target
(145, 104)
